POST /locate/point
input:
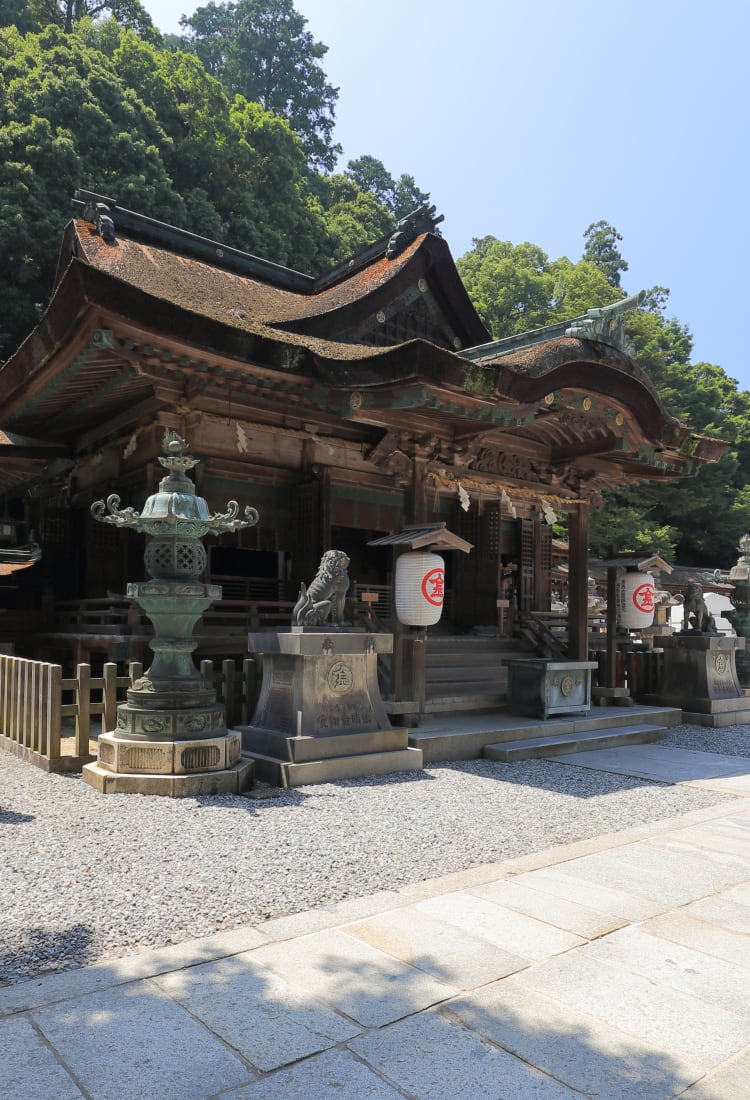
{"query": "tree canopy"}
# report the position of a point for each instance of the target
(105, 109)
(228, 131)
(516, 288)
(35, 15)
(260, 49)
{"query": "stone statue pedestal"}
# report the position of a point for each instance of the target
(700, 677)
(320, 716)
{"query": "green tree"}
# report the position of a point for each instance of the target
(103, 109)
(354, 218)
(260, 49)
(512, 286)
(601, 249)
(28, 16)
(399, 196)
(35, 15)
(66, 120)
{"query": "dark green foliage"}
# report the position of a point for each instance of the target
(400, 196)
(259, 49)
(696, 520)
(34, 15)
(103, 109)
(106, 108)
(601, 250)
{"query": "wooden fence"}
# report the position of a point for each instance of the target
(35, 698)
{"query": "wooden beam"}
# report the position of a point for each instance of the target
(578, 566)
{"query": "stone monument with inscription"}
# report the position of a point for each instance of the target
(700, 673)
(320, 716)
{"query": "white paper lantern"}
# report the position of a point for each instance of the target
(635, 600)
(420, 587)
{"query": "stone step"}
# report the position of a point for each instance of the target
(283, 773)
(469, 657)
(470, 674)
(459, 701)
(560, 744)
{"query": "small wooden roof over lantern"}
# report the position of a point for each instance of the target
(424, 536)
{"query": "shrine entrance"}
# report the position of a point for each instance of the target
(508, 573)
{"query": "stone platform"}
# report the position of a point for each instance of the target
(320, 716)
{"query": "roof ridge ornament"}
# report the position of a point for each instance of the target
(99, 214)
(422, 220)
(606, 325)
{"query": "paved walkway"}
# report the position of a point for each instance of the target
(614, 967)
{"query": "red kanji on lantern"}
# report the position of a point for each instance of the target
(643, 598)
(433, 587)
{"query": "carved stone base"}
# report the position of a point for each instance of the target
(211, 765)
(135, 757)
(232, 780)
(320, 716)
(700, 677)
(148, 724)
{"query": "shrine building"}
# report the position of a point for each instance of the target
(343, 407)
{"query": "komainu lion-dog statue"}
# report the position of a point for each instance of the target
(326, 596)
(696, 615)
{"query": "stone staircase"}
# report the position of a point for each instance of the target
(466, 715)
(467, 672)
(529, 748)
(503, 736)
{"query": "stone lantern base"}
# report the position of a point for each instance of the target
(205, 765)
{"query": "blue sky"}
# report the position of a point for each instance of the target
(532, 119)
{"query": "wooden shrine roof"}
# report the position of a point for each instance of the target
(147, 318)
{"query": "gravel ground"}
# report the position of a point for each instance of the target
(86, 876)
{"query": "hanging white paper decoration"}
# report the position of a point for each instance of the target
(463, 497)
(635, 600)
(548, 512)
(420, 588)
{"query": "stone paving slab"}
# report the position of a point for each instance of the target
(28, 1068)
(107, 973)
(724, 836)
(728, 1082)
(329, 916)
(674, 966)
(682, 1025)
(653, 871)
(133, 1042)
(571, 916)
(263, 1017)
(521, 935)
(666, 764)
(723, 910)
(612, 902)
(572, 1046)
(700, 935)
(337, 1074)
(434, 1058)
(352, 977)
(448, 953)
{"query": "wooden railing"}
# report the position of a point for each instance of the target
(547, 631)
(114, 629)
(35, 697)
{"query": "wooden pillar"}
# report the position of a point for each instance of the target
(611, 663)
(578, 572)
(415, 494)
